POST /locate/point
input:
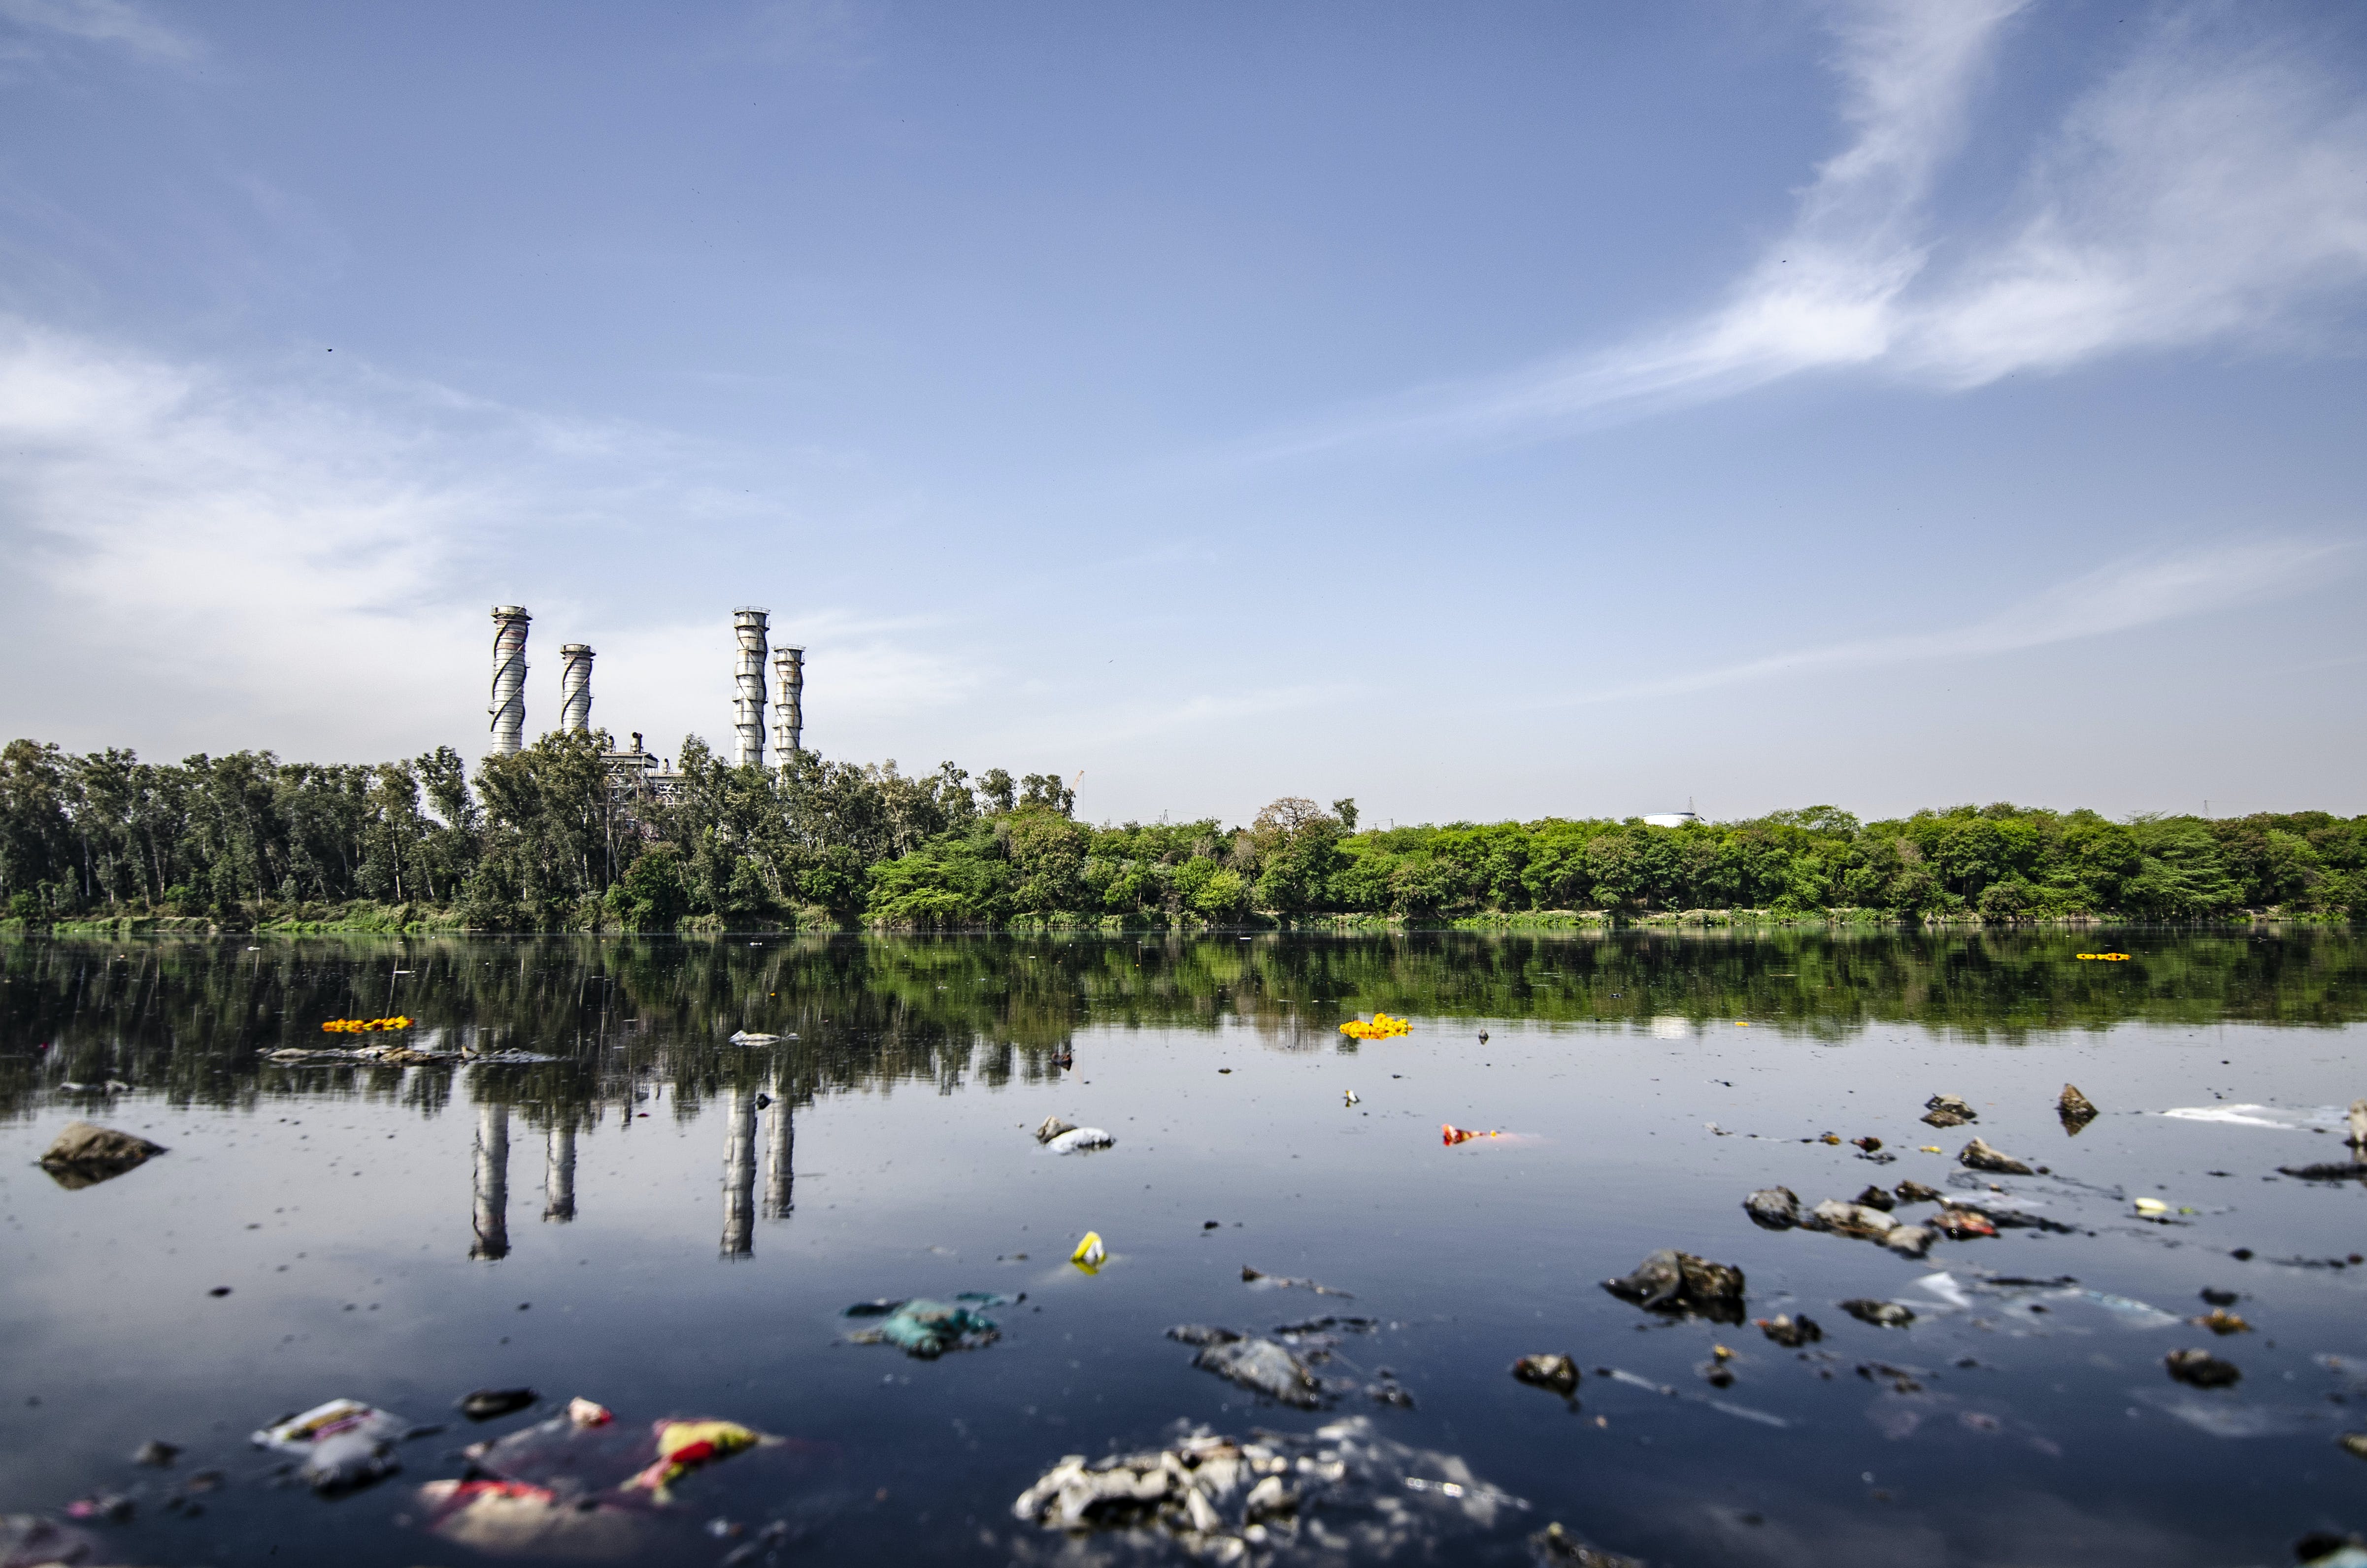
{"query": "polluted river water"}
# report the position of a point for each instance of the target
(564, 1174)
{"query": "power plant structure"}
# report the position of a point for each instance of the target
(575, 688)
(637, 773)
(788, 702)
(508, 706)
(748, 625)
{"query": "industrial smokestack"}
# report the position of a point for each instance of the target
(748, 706)
(508, 707)
(790, 702)
(575, 688)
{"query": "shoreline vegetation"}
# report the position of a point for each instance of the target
(539, 841)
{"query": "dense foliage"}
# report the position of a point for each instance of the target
(539, 841)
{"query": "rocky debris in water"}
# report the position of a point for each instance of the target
(1546, 1370)
(1868, 1145)
(1053, 1127)
(157, 1454)
(2075, 1109)
(1948, 1110)
(2355, 1442)
(1264, 1368)
(1718, 1370)
(1386, 1389)
(1874, 1197)
(487, 1405)
(2222, 1322)
(1078, 1137)
(1555, 1545)
(1336, 1493)
(928, 1329)
(1848, 1219)
(1790, 1332)
(1881, 1314)
(1916, 1192)
(343, 1443)
(86, 1154)
(1671, 1281)
(2219, 1298)
(1773, 1208)
(1201, 1334)
(1327, 1323)
(1978, 1155)
(1275, 1281)
(2340, 1171)
(1910, 1240)
(2201, 1369)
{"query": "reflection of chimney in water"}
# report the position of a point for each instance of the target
(558, 1175)
(776, 1156)
(492, 1182)
(739, 1174)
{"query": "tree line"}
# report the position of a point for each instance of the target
(543, 840)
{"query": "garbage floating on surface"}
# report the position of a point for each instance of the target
(1090, 1254)
(1978, 1155)
(1916, 1192)
(928, 1329)
(1053, 1127)
(1340, 1490)
(2329, 1117)
(1671, 1281)
(1949, 1110)
(1380, 1027)
(85, 1153)
(742, 1036)
(685, 1445)
(2075, 1109)
(1558, 1373)
(1773, 1208)
(2221, 1322)
(363, 1025)
(1079, 1138)
(28, 1541)
(343, 1443)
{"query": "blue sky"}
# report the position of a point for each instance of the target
(1481, 412)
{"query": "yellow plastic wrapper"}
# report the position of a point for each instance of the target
(1090, 1254)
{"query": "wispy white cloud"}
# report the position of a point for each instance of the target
(2123, 596)
(2202, 190)
(116, 22)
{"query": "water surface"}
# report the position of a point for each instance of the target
(625, 1222)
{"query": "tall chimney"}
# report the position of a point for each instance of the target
(790, 702)
(748, 706)
(508, 707)
(575, 688)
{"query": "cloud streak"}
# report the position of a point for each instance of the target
(2124, 596)
(2202, 190)
(115, 22)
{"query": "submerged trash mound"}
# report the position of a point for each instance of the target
(2075, 1109)
(1789, 1332)
(2201, 1369)
(1554, 1544)
(928, 1329)
(580, 1485)
(1773, 1208)
(1948, 1110)
(85, 1153)
(1335, 1494)
(1381, 1027)
(1881, 1314)
(1280, 1282)
(28, 1541)
(1558, 1373)
(343, 1443)
(1262, 1367)
(1671, 1281)
(1978, 1155)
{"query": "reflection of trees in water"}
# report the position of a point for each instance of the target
(189, 1019)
